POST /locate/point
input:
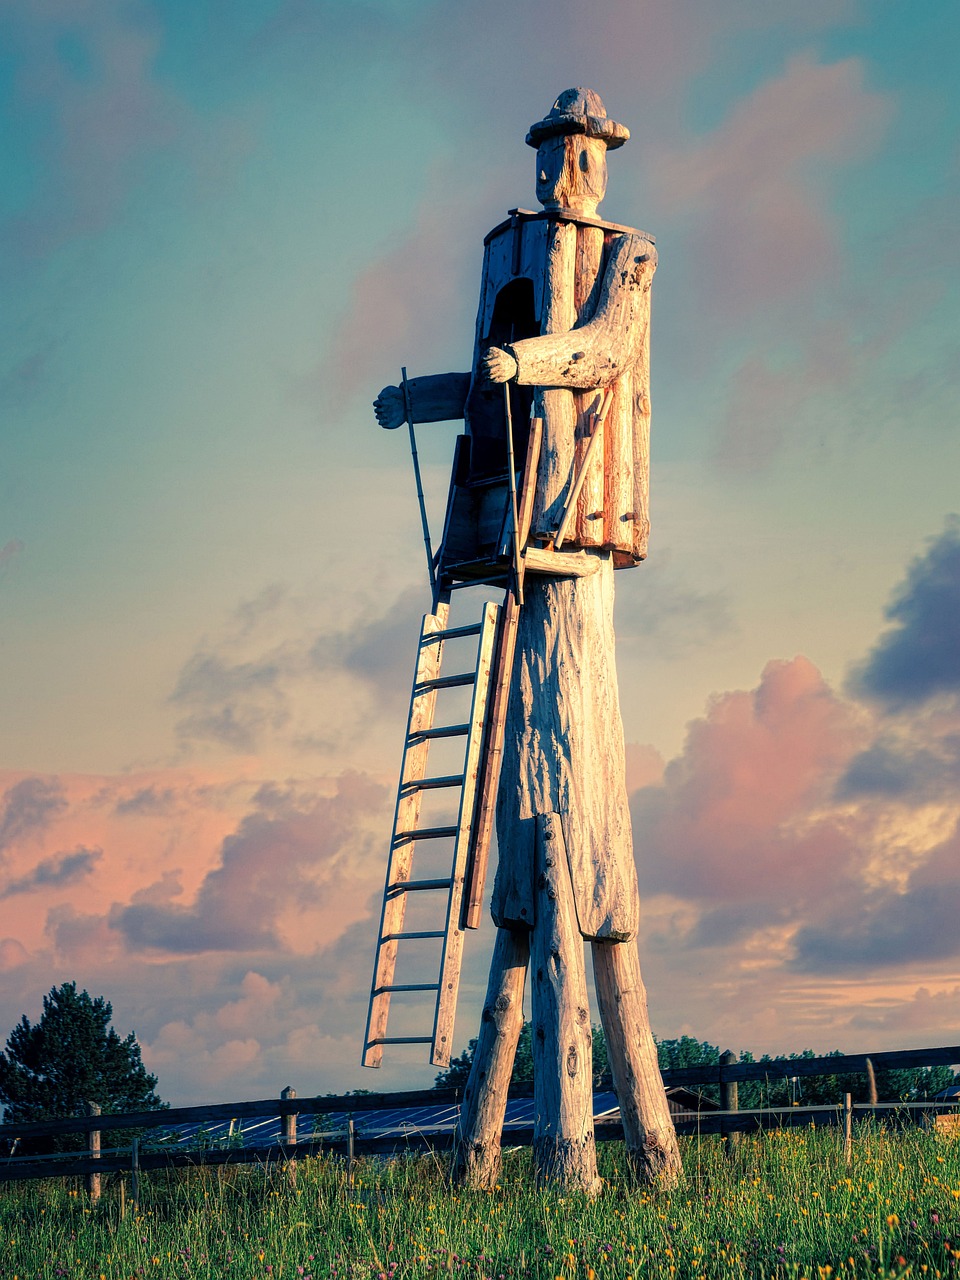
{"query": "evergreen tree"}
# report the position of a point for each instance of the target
(70, 1057)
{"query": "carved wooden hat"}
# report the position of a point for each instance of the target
(579, 111)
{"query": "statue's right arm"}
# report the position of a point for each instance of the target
(438, 397)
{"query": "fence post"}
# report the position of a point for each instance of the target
(135, 1175)
(729, 1100)
(93, 1150)
(350, 1152)
(288, 1131)
(848, 1129)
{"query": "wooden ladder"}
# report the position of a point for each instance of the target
(407, 832)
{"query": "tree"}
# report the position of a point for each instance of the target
(72, 1056)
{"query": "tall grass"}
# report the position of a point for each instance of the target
(785, 1206)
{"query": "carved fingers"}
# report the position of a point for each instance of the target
(388, 408)
(499, 365)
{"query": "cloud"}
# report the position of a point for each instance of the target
(679, 618)
(738, 820)
(890, 928)
(918, 659)
(297, 860)
(10, 550)
(757, 183)
(86, 74)
(29, 806)
(51, 873)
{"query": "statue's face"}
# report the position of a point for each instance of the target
(572, 173)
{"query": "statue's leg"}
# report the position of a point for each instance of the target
(476, 1155)
(564, 1150)
(647, 1124)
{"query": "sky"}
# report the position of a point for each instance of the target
(223, 227)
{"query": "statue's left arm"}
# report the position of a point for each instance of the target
(595, 354)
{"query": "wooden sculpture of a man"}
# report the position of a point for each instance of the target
(564, 320)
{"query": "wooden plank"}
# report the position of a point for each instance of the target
(453, 942)
(492, 751)
(528, 488)
(893, 1060)
(589, 504)
(423, 702)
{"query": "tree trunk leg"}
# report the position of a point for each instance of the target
(564, 1150)
(647, 1124)
(476, 1153)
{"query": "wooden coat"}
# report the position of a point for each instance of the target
(569, 297)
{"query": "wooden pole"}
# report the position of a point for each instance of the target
(476, 1155)
(564, 1150)
(512, 484)
(648, 1129)
(425, 523)
(848, 1129)
(289, 1131)
(350, 1151)
(134, 1175)
(729, 1099)
(93, 1150)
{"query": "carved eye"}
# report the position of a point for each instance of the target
(584, 161)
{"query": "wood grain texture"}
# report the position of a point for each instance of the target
(436, 397)
(423, 702)
(594, 354)
(563, 752)
(476, 1158)
(453, 940)
(564, 1151)
(647, 1124)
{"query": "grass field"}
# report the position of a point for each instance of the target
(786, 1206)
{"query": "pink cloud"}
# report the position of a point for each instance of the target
(736, 818)
(755, 187)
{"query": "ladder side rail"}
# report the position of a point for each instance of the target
(407, 810)
(492, 752)
(452, 953)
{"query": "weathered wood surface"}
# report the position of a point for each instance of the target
(564, 1149)
(492, 758)
(594, 334)
(563, 753)
(453, 940)
(423, 702)
(477, 1159)
(561, 564)
(647, 1124)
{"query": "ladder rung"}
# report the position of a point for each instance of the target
(425, 833)
(408, 986)
(400, 1040)
(446, 682)
(442, 731)
(430, 784)
(414, 886)
(453, 633)
(407, 937)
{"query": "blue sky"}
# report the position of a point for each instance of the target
(223, 228)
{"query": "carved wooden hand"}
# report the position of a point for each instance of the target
(498, 365)
(388, 408)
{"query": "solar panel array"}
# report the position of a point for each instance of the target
(261, 1132)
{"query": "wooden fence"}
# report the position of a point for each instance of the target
(346, 1142)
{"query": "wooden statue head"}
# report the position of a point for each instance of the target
(572, 142)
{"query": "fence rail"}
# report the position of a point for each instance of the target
(341, 1142)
